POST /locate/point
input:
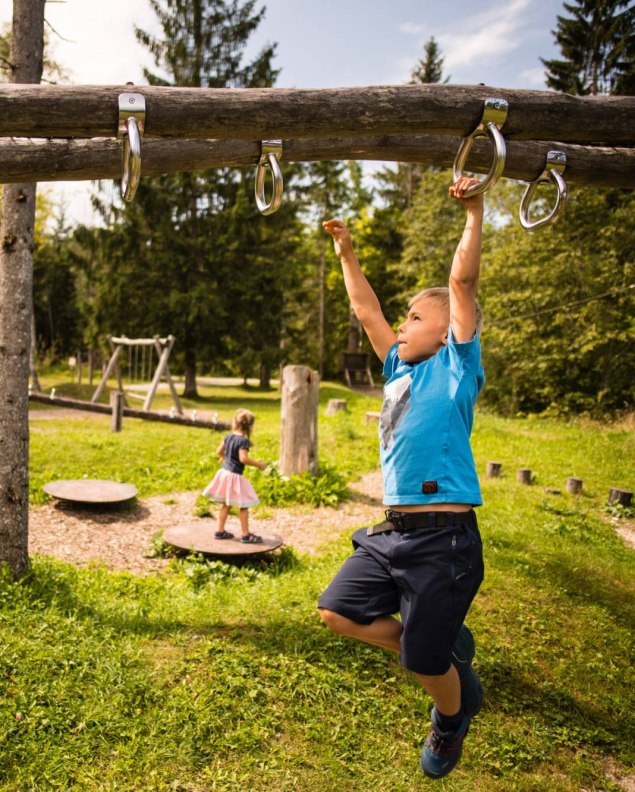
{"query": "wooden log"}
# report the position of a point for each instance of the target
(72, 111)
(574, 485)
(298, 435)
(180, 420)
(335, 405)
(620, 496)
(24, 160)
(372, 416)
(524, 475)
(117, 401)
(493, 469)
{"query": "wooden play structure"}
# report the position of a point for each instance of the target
(75, 132)
(163, 347)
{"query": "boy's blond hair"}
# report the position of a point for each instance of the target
(440, 296)
(243, 420)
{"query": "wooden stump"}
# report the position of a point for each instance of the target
(493, 469)
(117, 402)
(574, 485)
(372, 416)
(299, 412)
(623, 497)
(524, 475)
(335, 405)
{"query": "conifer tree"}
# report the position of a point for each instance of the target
(597, 42)
(180, 260)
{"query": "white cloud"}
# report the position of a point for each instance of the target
(534, 77)
(411, 28)
(487, 35)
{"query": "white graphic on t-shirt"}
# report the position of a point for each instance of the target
(396, 405)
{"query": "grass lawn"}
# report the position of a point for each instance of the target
(209, 677)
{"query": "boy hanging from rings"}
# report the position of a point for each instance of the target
(425, 560)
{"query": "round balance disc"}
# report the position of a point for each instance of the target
(199, 537)
(90, 491)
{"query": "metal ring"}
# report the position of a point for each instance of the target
(493, 117)
(269, 160)
(556, 163)
(131, 160)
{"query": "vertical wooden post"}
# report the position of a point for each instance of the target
(574, 485)
(524, 475)
(493, 469)
(117, 400)
(623, 497)
(299, 413)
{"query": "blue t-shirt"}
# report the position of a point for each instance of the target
(425, 426)
(233, 443)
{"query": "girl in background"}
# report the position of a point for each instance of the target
(229, 486)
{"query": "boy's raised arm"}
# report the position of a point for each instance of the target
(362, 297)
(466, 265)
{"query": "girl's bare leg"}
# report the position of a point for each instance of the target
(385, 631)
(243, 516)
(222, 518)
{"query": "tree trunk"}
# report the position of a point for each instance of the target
(298, 441)
(16, 311)
(322, 303)
(265, 375)
(354, 343)
(35, 382)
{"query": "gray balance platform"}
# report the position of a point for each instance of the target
(96, 491)
(199, 537)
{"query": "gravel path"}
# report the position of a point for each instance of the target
(121, 538)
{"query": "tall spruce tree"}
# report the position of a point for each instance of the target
(597, 42)
(180, 258)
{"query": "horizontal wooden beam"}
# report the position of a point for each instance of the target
(84, 111)
(23, 160)
(180, 420)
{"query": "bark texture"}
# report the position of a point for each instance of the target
(16, 311)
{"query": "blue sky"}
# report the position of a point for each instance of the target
(323, 44)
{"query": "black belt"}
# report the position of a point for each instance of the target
(402, 522)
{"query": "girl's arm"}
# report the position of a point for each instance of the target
(363, 298)
(466, 264)
(220, 451)
(247, 460)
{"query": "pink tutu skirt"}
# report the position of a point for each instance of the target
(232, 489)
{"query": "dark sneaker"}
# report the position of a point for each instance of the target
(471, 687)
(442, 750)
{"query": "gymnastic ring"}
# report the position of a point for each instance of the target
(271, 153)
(556, 163)
(131, 175)
(493, 117)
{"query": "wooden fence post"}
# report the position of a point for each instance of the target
(623, 497)
(117, 401)
(574, 485)
(494, 469)
(299, 413)
(524, 475)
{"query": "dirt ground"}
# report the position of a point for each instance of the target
(121, 538)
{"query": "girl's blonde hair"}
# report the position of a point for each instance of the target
(440, 295)
(243, 420)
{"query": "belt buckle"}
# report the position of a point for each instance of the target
(397, 519)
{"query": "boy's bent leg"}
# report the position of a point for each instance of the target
(384, 631)
(444, 690)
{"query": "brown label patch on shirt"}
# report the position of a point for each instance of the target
(429, 487)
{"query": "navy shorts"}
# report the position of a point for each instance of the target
(430, 576)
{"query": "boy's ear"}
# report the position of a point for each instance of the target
(445, 337)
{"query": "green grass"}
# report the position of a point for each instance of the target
(159, 458)
(211, 677)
